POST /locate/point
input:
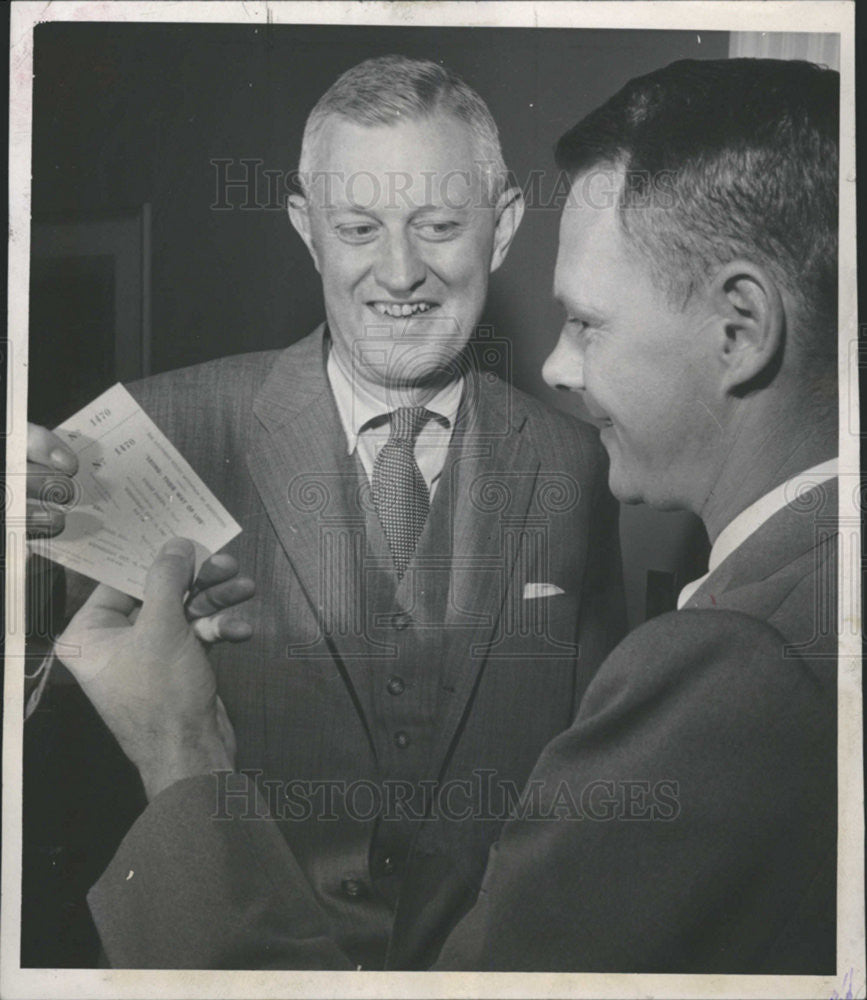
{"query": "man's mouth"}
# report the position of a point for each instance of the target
(599, 420)
(400, 310)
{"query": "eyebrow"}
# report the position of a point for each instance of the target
(578, 307)
(374, 213)
(335, 209)
(440, 208)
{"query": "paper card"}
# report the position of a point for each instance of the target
(134, 491)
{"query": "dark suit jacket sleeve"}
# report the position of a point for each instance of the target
(191, 888)
(681, 824)
(702, 765)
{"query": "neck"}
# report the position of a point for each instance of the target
(762, 457)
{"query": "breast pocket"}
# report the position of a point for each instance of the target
(538, 626)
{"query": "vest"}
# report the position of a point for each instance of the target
(406, 620)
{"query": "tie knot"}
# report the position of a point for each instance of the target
(407, 422)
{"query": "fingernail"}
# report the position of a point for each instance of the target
(178, 547)
(62, 460)
(237, 628)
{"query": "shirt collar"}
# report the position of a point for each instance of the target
(358, 406)
(738, 530)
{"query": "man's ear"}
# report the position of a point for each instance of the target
(509, 212)
(299, 216)
(752, 322)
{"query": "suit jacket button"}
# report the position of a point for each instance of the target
(352, 887)
(387, 865)
(401, 739)
(401, 620)
(395, 685)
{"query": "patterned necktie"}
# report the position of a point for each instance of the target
(399, 492)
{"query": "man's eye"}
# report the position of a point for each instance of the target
(360, 232)
(438, 230)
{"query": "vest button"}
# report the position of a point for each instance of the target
(395, 685)
(387, 865)
(401, 739)
(352, 887)
(401, 620)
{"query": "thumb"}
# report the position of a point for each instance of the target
(167, 582)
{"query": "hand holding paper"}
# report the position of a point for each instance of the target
(132, 492)
(147, 675)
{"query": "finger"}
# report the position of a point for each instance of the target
(167, 582)
(48, 485)
(222, 627)
(43, 522)
(215, 569)
(46, 448)
(220, 596)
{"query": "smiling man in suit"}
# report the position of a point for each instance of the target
(435, 553)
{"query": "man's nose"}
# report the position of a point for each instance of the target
(564, 368)
(399, 269)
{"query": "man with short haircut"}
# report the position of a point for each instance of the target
(435, 553)
(686, 822)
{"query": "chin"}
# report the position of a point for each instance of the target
(424, 372)
(625, 486)
(623, 490)
(629, 497)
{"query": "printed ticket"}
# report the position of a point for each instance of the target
(134, 490)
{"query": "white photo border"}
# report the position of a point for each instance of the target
(791, 16)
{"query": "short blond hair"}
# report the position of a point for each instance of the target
(390, 89)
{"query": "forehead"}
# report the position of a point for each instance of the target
(429, 161)
(592, 254)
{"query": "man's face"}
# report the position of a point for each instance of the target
(644, 367)
(402, 232)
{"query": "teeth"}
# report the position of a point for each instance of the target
(397, 309)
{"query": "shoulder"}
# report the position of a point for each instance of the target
(715, 663)
(553, 421)
(709, 700)
(561, 439)
(206, 410)
(210, 382)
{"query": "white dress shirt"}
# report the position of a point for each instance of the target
(365, 422)
(750, 519)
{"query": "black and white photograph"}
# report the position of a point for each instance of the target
(432, 502)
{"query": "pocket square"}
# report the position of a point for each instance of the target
(532, 590)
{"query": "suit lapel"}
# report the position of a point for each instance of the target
(309, 487)
(491, 480)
